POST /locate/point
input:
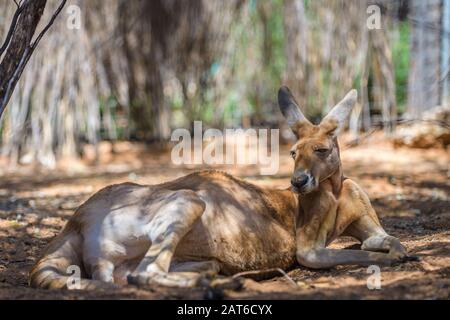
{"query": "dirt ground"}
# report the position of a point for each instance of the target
(409, 188)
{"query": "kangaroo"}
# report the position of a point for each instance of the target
(210, 222)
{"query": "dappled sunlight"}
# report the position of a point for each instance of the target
(296, 95)
(412, 206)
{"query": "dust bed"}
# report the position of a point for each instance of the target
(409, 189)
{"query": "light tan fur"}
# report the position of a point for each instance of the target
(210, 222)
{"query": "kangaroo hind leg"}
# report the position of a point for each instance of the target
(170, 224)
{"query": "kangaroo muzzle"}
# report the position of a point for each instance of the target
(303, 182)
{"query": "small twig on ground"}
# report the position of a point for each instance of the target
(265, 274)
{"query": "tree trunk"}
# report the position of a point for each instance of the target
(17, 50)
(423, 83)
(295, 30)
(384, 78)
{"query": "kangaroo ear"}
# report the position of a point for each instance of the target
(290, 110)
(336, 119)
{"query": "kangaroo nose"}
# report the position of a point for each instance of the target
(300, 181)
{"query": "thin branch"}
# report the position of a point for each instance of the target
(50, 23)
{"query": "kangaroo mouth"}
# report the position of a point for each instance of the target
(301, 192)
(306, 189)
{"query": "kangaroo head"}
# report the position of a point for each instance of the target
(316, 152)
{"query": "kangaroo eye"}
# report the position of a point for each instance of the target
(321, 151)
(293, 154)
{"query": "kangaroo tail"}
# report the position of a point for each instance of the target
(61, 266)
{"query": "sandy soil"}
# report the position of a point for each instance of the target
(409, 189)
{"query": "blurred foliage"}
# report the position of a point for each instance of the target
(400, 57)
(137, 70)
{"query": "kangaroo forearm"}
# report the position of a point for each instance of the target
(327, 258)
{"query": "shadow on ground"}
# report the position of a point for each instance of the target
(412, 202)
